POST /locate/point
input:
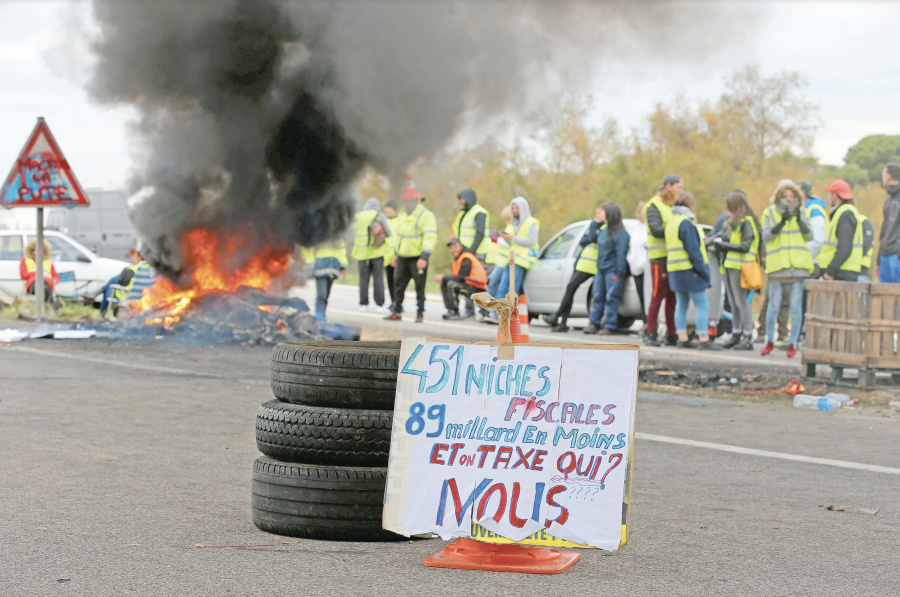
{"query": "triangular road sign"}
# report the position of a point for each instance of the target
(41, 177)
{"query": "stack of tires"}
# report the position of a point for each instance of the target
(325, 440)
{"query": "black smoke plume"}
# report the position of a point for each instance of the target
(265, 111)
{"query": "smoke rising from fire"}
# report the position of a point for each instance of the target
(265, 111)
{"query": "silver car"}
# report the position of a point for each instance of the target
(545, 283)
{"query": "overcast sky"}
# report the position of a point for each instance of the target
(841, 47)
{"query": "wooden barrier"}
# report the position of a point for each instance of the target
(852, 325)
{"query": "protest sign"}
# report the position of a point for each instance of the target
(534, 444)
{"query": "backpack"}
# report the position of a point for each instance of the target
(377, 233)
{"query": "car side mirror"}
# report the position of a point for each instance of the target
(83, 258)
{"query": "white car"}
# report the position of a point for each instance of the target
(85, 272)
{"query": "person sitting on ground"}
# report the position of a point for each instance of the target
(612, 271)
(134, 279)
(585, 269)
(688, 268)
(468, 277)
(28, 270)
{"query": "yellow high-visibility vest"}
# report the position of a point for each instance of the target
(464, 229)
(829, 247)
(788, 249)
(733, 259)
(677, 258)
(363, 249)
(416, 232)
(656, 246)
(522, 258)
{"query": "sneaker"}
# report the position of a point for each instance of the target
(591, 328)
(560, 327)
(733, 341)
(652, 340)
(420, 318)
(451, 315)
(362, 308)
(768, 348)
(467, 315)
(606, 332)
(672, 340)
(708, 345)
(744, 344)
(791, 350)
(685, 344)
(392, 316)
(550, 320)
(491, 318)
(781, 344)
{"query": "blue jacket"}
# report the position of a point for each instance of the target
(696, 278)
(612, 252)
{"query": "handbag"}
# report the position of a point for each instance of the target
(751, 275)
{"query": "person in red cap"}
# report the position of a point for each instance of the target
(842, 254)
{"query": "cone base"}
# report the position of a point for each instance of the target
(468, 554)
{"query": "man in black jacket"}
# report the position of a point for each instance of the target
(842, 267)
(889, 240)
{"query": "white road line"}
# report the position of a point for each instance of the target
(154, 368)
(872, 468)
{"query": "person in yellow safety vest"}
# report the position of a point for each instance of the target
(390, 212)
(28, 270)
(468, 276)
(135, 278)
(522, 235)
(328, 260)
(657, 213)
(741, 247)
(688, 267)
(472, 224)
(417, 239)
(370, 234)
(585, 269)
(496, 261)
(868, 248)
(786, 232)
(841, 257)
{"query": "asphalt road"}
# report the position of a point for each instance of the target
(118, 460)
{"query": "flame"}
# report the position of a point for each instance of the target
(206, 255)
(266, 308)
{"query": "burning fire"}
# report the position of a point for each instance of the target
(206, 256)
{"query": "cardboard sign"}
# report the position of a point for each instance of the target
(537, 446)
(41, 176)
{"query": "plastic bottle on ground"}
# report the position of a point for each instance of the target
(816, 402)
(844, 399)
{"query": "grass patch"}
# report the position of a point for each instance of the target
(58, 310)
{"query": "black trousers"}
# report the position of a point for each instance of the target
(452, 289)
(389, 280)
(639, 285)
(405, 271)
(565, 307)
(373, 268)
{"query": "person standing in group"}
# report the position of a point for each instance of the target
(370, 233)
(741, 247)
(637, 255)
(496, 261)
(817, 214)
(888, 260)
(522, 236)
(472, 225)
(688, 268)
(468, 276)
(786, 232)
(657, 214)
(612, 273)
(841, 256)
(390, 212)
(417, 239)
(585, 269)
(868, 230)
(328, 260)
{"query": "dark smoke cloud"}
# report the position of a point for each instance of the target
(265, 111)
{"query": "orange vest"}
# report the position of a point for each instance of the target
(477, 277)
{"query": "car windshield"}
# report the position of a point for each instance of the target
(559, 247)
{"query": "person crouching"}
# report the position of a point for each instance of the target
(468, 277)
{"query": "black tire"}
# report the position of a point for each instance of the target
(343, 375)
(322, 435)
(319, 502)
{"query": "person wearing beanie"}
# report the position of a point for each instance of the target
(889, 238)
(841, 256)
(657, 213)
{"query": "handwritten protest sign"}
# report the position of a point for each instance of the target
(536, 444)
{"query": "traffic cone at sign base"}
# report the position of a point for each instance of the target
(519, 325)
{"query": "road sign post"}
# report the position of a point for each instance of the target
(41, 177)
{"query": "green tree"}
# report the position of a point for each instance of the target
(871, 154)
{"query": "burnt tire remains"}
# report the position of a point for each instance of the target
(323, 435)
(319, 502)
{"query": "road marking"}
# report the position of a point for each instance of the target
(154, 368)
(872, 468)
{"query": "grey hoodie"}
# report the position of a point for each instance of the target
(768, 234)
(372, 203)
(524, 214)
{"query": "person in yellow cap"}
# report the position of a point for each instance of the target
(417, 239)
(841, 256)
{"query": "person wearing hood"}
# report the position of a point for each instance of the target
(841, 256)
(522, 236)
(888, 259)
(417, 238)
(612, 272)
(688, 267)
(786, 232)
(370, 231)
(472, 224)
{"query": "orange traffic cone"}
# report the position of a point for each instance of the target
(519, 327)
